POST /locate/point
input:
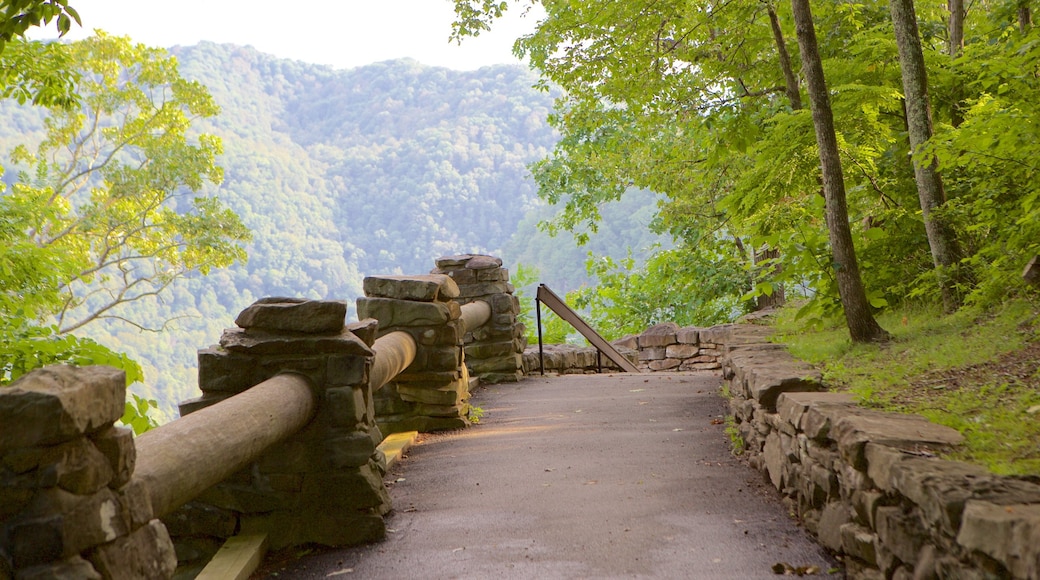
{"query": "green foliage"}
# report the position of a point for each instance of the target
(17, 16)
(24, 348)
(929, 369)
(98, 217)
(684, 285)
(474, 414)
(138, 414)
(687, 99)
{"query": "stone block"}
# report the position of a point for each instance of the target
(463, 277)
(73, 568)
(659, 335)
(1008, 533)
(225, 372)
(774, 460)
(137, 502)
(667, 364)
(346, 369)
(200, 519)
(490, 350)
(509, 363)
(699, 366)
(865, 504)
(344, 491)
(364, 329)
(421, 288)
(769, 381)
(483, 262)
(835, 515)
(688, 335)
(493, 275)
(900, 533)
(146, 553)
(450, 334)
(353, 450)
(59, 524)
(261, 343)
(631, 341)
(57, 403)
(682, 351)
(912, 432)
(450, 394)
(116, 444)
(859, 543)
(481, 289)
(346, 405)
(280, 314)
(185, 408)
(392, 313)
(940, 489)
(652, 353)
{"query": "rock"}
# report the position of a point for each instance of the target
(911, 432)
(859, 542)
(254, 343)
(664, 364)
(452, 262)
(365, 329)
(688, 335)
(682, 351)
(631, 341)
(74, 568)
(1008, 533)
(58, 403)
(116, 444)
(659, 335)
(834, 516)
(294, 315)
(146, 553)
(483, 263)
(422, 288)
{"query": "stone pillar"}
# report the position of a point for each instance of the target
(68, 508)
(322, 485)
(494, 352)
(433, 391)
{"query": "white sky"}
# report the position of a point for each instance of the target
(341, 33)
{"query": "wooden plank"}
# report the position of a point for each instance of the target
(395, 444)
(550, 299)
(239, 557)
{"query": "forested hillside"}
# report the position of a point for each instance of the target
(340, 174)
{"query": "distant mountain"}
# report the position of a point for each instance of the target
(342, 174)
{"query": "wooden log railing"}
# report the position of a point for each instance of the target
(395, 351)
(263, 416)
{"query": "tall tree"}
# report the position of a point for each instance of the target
(942, 239)
(104, 212)
(862, 325)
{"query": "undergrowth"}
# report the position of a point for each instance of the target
(976, 372)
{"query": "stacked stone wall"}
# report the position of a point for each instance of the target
(68, 507)
(869, 484)
(494, 351)
(662, 347)
(323, 484)
(433, 392)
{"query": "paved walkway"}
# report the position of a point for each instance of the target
(595, 476)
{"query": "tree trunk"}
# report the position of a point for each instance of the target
(954, 48)
(790, 80)
(941, 238)
(861, 323)
(1025, 16)
(794, 96)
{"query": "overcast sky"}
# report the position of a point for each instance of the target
(341, 33)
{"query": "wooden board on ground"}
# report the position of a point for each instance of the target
(237, 558)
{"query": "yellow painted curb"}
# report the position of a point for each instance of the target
(394, 446)
(239, 557)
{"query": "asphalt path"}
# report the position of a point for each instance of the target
(588, 476)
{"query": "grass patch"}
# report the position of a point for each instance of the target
(977, 373)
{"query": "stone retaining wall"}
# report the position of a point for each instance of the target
(662, 347)
(68, 508)
(869, 484)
